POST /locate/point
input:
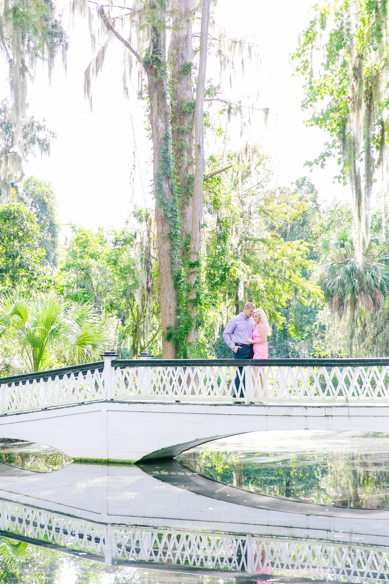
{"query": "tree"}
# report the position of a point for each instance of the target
(347, 284)
(48, 330)
(39, 196)
(34, 137)
(117, 271)
(29, 31)
(343, 56)
(255, 248)
(21, 257)
(171, 106)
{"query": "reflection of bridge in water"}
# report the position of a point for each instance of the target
(127, 410)
(121, 516)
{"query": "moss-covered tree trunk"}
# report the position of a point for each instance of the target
(165, 200)
(198, 196)
(182, 109)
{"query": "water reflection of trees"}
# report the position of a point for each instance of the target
(27, 564)
(346, 479)
(22, 563)
(38, 462)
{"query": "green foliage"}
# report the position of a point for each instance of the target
(21, 256)
(21, 562)
(116, 271)
(34, 137)
(39, 196)
(49, 331)
(343, 57)
(348, 284)
(41, 30)
(260, 246)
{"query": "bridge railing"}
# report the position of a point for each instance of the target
(59, 387)
(198, 550)
(299, 381)
(229, 380)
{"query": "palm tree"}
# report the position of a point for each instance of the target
(49, 329)
(347, 283)
(12, 554)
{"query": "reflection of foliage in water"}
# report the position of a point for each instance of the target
(22, 563)
(273, 476)
(345, 479)
(27, 564)
(38, 462)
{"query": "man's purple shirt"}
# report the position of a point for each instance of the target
(237, 330)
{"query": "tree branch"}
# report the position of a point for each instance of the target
(109, 26)
(217, 172)
(110, 5)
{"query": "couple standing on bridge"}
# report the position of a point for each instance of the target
(246, 335)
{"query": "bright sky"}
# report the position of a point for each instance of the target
(95, 173)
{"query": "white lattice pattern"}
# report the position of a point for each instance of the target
(51, 391)
(348, 563)
(54, 528)
(195, 550)
(200, 383)
(198, 550)
(226, 383)
(189, 383)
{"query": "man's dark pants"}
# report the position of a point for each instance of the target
(245, 352)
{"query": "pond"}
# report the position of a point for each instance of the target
(279, 507)
(340, 469)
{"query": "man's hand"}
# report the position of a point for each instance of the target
(236, 348)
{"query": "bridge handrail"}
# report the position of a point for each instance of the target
(122, 363)
(50, 373)
(206, 380)
(286, 362)
(316, 381)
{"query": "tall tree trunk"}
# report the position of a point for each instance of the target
(165, 200)
(353, 309)
(182, 109)
(199, 168)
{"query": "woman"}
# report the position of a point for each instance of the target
(259, 341)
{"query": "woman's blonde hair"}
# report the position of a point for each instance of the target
(263, 319)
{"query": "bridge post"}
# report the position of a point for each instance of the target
(108, 547)
(108, 357)
(247, 376)
(250, 555)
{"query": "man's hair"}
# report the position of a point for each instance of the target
(249, 305)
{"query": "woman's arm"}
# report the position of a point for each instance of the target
(263, 330)
(255, 341)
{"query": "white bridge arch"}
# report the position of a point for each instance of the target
(129, 410)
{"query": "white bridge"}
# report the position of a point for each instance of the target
(128, 410)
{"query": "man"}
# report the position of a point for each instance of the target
(237, 330)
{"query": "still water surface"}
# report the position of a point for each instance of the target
(340, 469)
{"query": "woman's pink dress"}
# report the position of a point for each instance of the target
(259, 349)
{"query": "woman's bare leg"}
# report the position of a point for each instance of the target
(256, 392)
(264, 388)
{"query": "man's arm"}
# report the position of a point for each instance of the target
(228, 332)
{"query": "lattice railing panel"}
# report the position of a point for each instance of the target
(290, 384)
(195, 550)
(190, 383)
(52, 391)
(321, 560)
(53, 528)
